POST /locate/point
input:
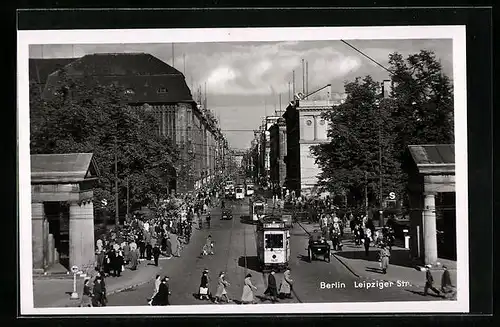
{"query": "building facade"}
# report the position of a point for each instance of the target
(432, 199)
(278, 153)
(305, 128)
(150, 84)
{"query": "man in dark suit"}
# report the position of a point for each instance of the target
(156, 254)
(272, 289)
(429, 281)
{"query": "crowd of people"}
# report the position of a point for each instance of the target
(145, 237)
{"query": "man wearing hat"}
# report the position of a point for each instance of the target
(272, 289)
(429, 281)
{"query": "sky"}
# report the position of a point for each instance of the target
(245, 80)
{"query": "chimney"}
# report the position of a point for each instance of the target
(386, 88)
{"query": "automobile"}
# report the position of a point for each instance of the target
(318, 246)
(226, 214)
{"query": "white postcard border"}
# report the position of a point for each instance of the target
(141, 36)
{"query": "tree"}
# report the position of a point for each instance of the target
(423, 101)
(419, 110)
(350, 161)
(84, 115)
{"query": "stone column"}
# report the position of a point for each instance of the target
(316, 122)
(81, 234)
(429, 224)
(38, 237)
(50, 250)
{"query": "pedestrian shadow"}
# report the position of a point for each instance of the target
(304, 258)
(250, 262)
(375, 270)
(421, 293)
(398, 257)
(197, 297)
(246, 220)
(299, 233)
(236, 301)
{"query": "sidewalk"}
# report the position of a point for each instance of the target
(401, 267)
(55, 292)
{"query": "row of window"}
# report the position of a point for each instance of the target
(160, 90)
(309, 122)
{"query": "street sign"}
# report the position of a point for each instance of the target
(392, 195)
(74, 269)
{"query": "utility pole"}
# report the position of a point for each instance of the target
(293, 85)
(173, 62)
(307, 77)
(303, 77)
(366, 193)
(128, 201)
(381, 214)
(184, 62)
(289, 91)
(117, 217)
(280, 102)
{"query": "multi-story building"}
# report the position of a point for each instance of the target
(305, 127)
(265, 148)
(150, 84)
(277, 134)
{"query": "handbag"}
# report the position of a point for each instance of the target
(203, 290)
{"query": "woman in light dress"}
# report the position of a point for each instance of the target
(221, 293)
(158, 281)
(247, 296)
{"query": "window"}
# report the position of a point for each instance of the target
(274, 241)
(162, 90)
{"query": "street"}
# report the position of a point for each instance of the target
(235, 253)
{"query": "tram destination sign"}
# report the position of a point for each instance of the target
(274, 225)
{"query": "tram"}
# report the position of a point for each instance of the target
(257, 209)
(273, 244)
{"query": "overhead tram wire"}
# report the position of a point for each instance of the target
(367, 56)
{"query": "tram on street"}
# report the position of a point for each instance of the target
(249, 189)
(257, 209)
(239, 192)
(273, 244)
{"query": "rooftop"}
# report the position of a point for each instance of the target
(63, 168)
(433, 154)
(40, 69)
(145, 78)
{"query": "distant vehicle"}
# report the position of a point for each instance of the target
(229, 183)
(273, 244)
(249, 189)
(226, 214)
(239, 193)
(318, 246)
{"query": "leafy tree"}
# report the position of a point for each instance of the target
(350, 162)
(84, 115)
(423, 101)
(419, 110)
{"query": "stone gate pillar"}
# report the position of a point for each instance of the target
(81, 234)
(38, 239)
(429, 224)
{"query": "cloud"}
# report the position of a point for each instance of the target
(257, 69)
